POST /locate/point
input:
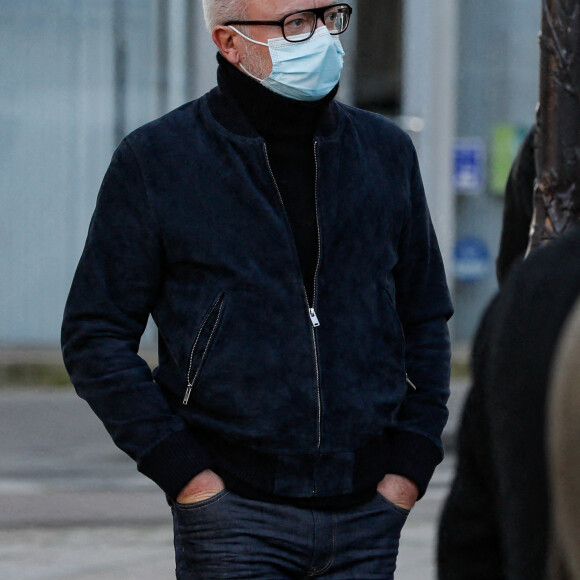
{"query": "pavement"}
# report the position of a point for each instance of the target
(72, 506)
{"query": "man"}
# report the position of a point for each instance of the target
(282, 243)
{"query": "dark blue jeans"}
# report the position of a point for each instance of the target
(228, 536)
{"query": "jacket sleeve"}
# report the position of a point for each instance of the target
(424, 306)
(112, 294)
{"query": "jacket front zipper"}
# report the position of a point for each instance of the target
(211, 320)
(311, 308)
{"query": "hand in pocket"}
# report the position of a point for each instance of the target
(203, 486)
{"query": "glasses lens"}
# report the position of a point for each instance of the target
(299, 26)
(336, 18)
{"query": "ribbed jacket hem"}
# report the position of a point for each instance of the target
(174, 462)
(254, 474)
(415, 457)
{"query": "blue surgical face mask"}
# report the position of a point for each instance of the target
(306, 71)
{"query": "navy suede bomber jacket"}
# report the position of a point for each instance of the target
(279, 396)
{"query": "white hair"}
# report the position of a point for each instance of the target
(220, 11)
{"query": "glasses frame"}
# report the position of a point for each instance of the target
(318, 12)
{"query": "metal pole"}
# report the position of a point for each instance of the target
(177, 55)
(557, 188)
(190, 73)
(120, 69)
(162, 56)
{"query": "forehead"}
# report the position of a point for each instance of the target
(275, 9)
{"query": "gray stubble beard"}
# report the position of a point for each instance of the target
(253, 61)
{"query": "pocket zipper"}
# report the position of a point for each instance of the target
(218, 303)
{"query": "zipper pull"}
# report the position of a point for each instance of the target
(409, 382)
(187, 394)
(314, 318)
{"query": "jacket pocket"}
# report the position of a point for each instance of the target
(401, 334)
(202, 344)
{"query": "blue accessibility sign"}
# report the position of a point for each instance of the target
(472, 259)
(469, 165)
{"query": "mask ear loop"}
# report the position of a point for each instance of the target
(248, 38)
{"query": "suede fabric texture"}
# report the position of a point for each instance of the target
(189, 227)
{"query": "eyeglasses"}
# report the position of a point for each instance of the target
(300, 26)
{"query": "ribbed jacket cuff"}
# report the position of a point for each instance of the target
(174, 462)
(415, 457)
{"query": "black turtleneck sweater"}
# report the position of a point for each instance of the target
(288, 127)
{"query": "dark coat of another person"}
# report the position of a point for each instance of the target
(495, 522)
(518, 208)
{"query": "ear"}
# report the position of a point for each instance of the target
(228, 43)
